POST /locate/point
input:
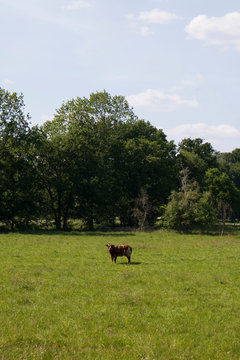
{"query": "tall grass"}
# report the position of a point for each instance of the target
(61, 297)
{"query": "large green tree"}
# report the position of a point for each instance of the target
(198, 156)
(189, 206)
(106, 155)
(17, 181)
(52, 159)
(224, 193)
(148, 163)
(230, 164)
(76, 157)
(14, 123)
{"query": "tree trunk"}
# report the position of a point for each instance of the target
(89, 224)
(223, 219)
(58, 223)
(12, 224)
(65, 227)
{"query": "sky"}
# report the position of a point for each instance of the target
(177, 62)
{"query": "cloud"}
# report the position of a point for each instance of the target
(222, 31)
(191, 82)
(78, 4)
(145, 31)
(160, 101)
(8, 82)
(156, 16)
(223, 137)
(42, 11)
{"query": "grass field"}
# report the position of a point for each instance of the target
(61, 297)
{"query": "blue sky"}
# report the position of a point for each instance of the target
(176, 62)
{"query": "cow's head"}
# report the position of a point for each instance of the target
(109, 246)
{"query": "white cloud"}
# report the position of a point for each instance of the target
(191, 82)
(78, 4)
(156, 16)
(160, 101)
(145, 31)
(42, 11)
(223, 31)
(222, 137)
(8, 82)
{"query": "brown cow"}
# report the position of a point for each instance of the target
(119, 250)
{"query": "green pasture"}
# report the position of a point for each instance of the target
(61, 297)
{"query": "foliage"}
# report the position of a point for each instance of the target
(13, 121)
(220, 185)
(18, 192)
(187, 206)
(94, 158)
(230, 164)
(224, 193)
(98, 163)
(197, 156)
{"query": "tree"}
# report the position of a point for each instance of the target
(99, 135)
(148, 162)
(224, 193)
(186, 207)
(230, 164)
(111, 156)
(142, 208)
(197, 156)
(76, 157)
(18, 191)
(52, 159)
(14, 124)
(17, 181)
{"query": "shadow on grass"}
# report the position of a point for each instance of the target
(131, 263)
(99, 233)
(73, 233)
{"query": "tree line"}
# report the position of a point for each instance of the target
(98, 162)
